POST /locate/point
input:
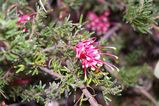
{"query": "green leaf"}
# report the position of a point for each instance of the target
(21, 68)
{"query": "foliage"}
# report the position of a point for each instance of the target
(3, 83)
(75, 4)
(129, 76)
(44, 45)
(139, 14)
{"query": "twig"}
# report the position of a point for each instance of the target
(155, 27)
(51, 72)
(157, 17)
(109, 33)
(1, 92)
(6, 74)
(142, 4)
(11, 7)
(32, 30)
(88, 95)
(148, 95)
(49, 48)
(84, 89)
(79, 99)
(31, 9)
(42, 5)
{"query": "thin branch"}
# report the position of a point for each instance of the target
(42, 5)
(49, 48)
(84, 89)
(79, 99)
(110, 32)
(88, 95)
(145, 93)
(157, 17)
(142, 4)
(32, 30)
(11, 7)
(155, 27)
(1, 92)
(6, 74)
(51, 72)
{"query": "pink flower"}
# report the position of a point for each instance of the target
(98, 23)
(23, 19)
(92, 16)
(90, 55)
(106, 13)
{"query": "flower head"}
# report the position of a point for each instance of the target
(90, 55)
(98, 23)
(23, 19)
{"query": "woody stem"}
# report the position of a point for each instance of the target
(84, 89)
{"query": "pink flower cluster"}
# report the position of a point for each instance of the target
(23, 20)
(99, 24)
(90, 55)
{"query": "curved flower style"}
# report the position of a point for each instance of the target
(90, 55)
